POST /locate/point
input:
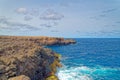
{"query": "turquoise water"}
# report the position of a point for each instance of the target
(90, 59)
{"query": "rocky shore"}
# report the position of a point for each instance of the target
(25, 58)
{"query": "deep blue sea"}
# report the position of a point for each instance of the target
(90, 59)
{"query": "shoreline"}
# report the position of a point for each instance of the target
(25, 57)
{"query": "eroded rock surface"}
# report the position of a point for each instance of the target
(21, 77)
(27, 56)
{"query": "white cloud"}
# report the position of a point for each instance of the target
(49, 24)
(34, 12)
(28, 18)
(109, 10)
(22, 10)
(7, 24)
(28, 14)
(54, 31)
(51, 15)
(104, 14)
(46, 25)
(26, 11)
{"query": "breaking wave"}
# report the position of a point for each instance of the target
(84, 73)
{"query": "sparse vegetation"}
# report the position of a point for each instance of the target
(23, 55)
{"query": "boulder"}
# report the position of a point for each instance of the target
(21, 77)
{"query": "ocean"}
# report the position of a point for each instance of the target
(90, 59)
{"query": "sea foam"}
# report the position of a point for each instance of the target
(74, 73)
(84, 73)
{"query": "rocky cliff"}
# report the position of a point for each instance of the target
(25, 58)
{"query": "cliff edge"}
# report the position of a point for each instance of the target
(25, 58)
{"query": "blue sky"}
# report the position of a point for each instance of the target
(60, 18)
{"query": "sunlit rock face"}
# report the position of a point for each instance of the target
(27, 57)
(21, 77)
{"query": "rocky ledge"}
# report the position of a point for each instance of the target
(25, 58)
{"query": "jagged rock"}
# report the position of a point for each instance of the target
(27, 56)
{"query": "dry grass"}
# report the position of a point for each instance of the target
(26, 45)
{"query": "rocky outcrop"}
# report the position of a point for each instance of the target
(40, 40)
(21, 77)
(25, 56)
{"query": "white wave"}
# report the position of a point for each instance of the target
(74, 74)
(83, 72)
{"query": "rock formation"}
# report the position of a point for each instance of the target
(25, 58)
(21, 77)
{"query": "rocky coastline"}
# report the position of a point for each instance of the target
(25, 58)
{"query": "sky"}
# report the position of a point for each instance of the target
(60, 18)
